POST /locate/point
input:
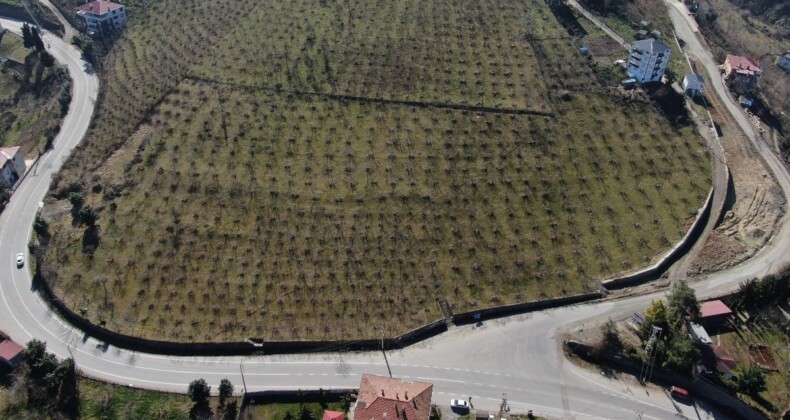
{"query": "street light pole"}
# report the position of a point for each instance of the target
(382, 350)
(243, 381)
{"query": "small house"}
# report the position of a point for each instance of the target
(714, 313)
(693, 85)
(12, 165)
(715, 360)
(10, 352)
(381, 398)
(783, 61)
(742, 73)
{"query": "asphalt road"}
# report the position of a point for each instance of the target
(518, 356)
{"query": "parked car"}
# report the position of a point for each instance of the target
(20, 260)
(679, 393)
(459, 404)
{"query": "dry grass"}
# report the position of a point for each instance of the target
(242, 210)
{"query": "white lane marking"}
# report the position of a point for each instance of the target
(617, 393)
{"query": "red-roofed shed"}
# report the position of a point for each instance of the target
(333, 415)
(714, 308)
(10, 352)
(714, 313)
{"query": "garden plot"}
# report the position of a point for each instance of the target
(250, 213)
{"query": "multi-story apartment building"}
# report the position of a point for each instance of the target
(648, 60)
(102, 17)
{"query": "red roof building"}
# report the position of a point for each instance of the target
(333, 415)
(10, 352)
(99, 7)
(714, 314)
(102, 17)
(714, 308)
(742, 72)
(382, 398)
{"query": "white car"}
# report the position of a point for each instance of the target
(20, 260)
(459, 404)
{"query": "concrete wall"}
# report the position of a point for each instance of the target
(653, 272)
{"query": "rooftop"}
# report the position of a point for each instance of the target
(383, 398)
(7, 154)
(699, 332)
(696, 78)
(743, 65)
(9, 350)
(714, 308)
(99, 7)
(651, 46)
(333, 415)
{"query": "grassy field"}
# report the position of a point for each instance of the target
(102, 401)
(288, 411)
(770, 333)
(263, 195)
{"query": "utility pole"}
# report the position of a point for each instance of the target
(381, 327)
(503, 408)
(243, 381)
(73, 359)
(650, 353)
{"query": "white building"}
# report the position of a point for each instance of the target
(694, 84)
(699, 334)
(12, 165)
(102, 17)
(648, 60)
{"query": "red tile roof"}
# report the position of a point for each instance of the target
(9, 350)
(7, 154)
(743, 65)
(382, 398)
(99, 7)
(714, 308)
(333, 415)
(724, 362)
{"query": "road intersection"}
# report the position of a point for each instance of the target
(519, 356)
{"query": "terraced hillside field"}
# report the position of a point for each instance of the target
(320, 168)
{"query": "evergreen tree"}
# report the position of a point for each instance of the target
(27, 38)
(36, 38)
(47, 59)
(682, 304)
(752, 380)
(225, 391)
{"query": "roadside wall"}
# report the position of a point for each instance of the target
(520, 308)
(19, 13)
(681, 248)
(286, 347)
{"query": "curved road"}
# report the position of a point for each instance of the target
(519, 356)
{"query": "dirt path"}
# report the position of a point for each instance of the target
(753, 209)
